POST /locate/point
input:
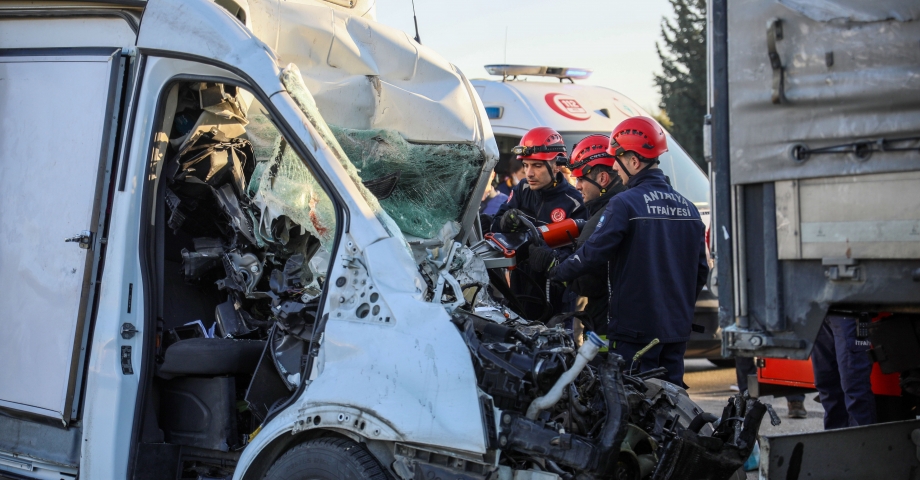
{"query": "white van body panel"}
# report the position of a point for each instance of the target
(43, 290)
(434, 398)
(111, 395)
(410, 369)
(205, 30)
(406, 373)
(55, 32)
(407, 379)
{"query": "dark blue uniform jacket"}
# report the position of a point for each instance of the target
(652, 240)
(539, 205)
(553, 203)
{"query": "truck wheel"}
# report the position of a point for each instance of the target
(327, 459)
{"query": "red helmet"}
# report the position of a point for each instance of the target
(541, 143)
(588, 152)
(641, 135)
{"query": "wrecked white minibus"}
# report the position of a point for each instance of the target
(217, 266)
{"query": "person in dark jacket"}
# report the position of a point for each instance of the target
(492, 199)
(651, 239)
(513, 177)
(543, 197)
(597, 182)
(843, 371)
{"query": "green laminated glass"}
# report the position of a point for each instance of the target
(435, 180)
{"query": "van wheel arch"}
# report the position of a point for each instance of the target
(329, 458)
(279, 446)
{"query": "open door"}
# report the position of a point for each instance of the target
(57, 117)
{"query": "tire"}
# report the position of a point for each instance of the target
(722, 362)
(327, 458)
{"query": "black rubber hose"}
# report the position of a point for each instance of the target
(573, 399)
(555, 468)
(536, 236)
(548, 307)
(614, 431)
(498, 281)
(579, 421)
(702, 419)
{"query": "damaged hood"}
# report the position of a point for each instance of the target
(368, 77)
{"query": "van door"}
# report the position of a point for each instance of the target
(58, 111)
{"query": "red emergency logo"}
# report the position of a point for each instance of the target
(566, 106)
(557, 215)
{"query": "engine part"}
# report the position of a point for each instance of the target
(230, 323)
(296, 318)
(266, 388)
(615, 398)
(243, 272)
(596, 421)
(586, 353)
(205, 258)
(637, 459)
(529, 437)
(230, 204)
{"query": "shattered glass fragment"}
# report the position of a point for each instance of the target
(285, 187)
(435, 180)
(293, 83)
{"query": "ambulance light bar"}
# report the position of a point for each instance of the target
(534, 70)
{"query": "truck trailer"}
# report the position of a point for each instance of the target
(815, 144)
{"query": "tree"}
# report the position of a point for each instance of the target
(663, 118)
(683, 80)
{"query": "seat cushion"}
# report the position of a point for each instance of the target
(211, 357)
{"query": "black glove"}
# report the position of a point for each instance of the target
(541, 258)
(511, 221)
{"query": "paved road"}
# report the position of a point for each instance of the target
(710, 388)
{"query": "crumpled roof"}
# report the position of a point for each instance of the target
(367, 76)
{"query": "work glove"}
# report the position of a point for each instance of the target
(511, 221)
(541, 258)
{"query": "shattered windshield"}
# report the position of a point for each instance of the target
(420, 186)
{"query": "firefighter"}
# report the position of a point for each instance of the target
(651, 239)
(592, 168)
(843, 371)
(542, 197)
